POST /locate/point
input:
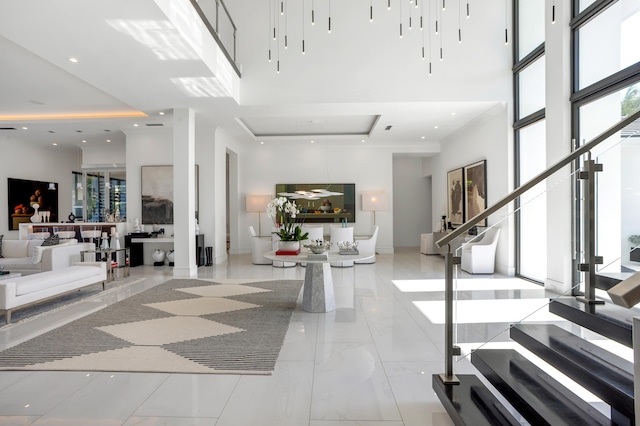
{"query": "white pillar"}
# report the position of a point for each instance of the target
(184, 193)
(558, 127)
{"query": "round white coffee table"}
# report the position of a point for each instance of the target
(318, 295)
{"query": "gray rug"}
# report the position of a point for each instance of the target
(181, 326)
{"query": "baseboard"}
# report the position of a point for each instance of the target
(384, 250)
(556, 286)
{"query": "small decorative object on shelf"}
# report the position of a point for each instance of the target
(318, 246)
(348, 247)
(171, 256)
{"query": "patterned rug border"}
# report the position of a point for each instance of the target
(180, 327)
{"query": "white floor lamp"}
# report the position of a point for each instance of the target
(257, 204)
(374, 201)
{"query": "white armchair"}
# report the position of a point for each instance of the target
(368, 244)
(480, 257)
(259, 246)
(338, 233)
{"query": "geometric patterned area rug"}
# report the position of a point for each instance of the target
(181, 326)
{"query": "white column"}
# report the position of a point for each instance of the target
(184, 193)
(558, 125)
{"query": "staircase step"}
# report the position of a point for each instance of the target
(532, 392)
(604, 281)
(604, 374)
(471, 403)
(609, 320)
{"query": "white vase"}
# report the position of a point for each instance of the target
(171, 256)
(289, 245)
(158, 255)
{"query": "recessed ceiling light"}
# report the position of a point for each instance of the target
(24, 127)
(362, 140)
(161, 113)
(261, 142)
(312, 141)
(135, 124)
(84, 141)
(435, 127)
(55, 144)
(74, 60)
(422, 137)
(453, 113)
(108, 140)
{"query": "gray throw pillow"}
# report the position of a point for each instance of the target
(53, 240)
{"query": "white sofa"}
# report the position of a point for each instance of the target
(65, 276)
(28, 257)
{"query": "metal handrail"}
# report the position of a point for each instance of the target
(214, 34)
(537, 179)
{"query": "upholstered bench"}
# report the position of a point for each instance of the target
(29, 290)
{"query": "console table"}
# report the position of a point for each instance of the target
(318, 295)
(137, 242)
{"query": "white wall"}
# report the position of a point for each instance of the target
(487, 138)
(24, 161)
(411, 202)
(371, 169)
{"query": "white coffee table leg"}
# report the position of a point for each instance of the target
(318, 293)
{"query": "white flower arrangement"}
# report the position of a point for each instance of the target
(283, 212)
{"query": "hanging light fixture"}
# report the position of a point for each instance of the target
(279, 10)
(553, 13)
(52, 185)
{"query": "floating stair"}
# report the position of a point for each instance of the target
(471, 403)
(604, 374)
(611, 321)
(533, 393)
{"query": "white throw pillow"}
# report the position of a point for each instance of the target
(15, 248)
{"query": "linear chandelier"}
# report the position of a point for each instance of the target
(427, 16)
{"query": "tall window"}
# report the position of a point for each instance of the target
(606, 74)
(530, 135)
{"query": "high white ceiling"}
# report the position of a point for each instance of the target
(350, 84)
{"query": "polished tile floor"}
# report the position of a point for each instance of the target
(368, 363)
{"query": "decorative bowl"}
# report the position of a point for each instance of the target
(318, 246)
(326, 208)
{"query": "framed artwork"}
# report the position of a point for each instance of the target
(157, 194)
(26, 197)
(475, 178)
(455, 196)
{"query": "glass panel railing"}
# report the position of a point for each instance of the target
(488, 299)
(487, 307)
(221, 25)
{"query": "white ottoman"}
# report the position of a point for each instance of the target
(426, 244)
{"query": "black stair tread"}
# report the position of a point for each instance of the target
(471, 403)
(604, 374)
(609, 320)
(536, 395)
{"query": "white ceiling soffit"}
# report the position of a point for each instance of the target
(316, 126)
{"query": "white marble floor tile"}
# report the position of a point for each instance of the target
(300, 341)
(353, 423)
(282, 399)
(401, 339)
(170, 421)
(412, 386)
(109, 398)
(350, 384)
(38, 393)
(189, 395)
